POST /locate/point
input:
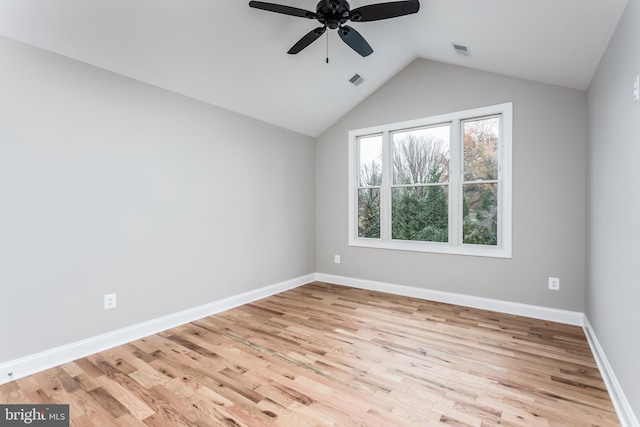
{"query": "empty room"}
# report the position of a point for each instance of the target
(319, 213)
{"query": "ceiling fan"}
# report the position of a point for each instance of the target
(334, 14)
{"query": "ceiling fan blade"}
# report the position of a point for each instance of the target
(376, 12)
(354, 40)
(305, 41)
(278, 8)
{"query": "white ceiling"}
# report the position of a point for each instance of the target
(225, 53)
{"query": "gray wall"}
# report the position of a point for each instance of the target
(549, 142)
(613, 226)
(110, 185)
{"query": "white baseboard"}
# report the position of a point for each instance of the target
(31, 364)
(536, 312)
(620, 402)
(57, 356)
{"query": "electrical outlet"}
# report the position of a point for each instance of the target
(109, 301)
(336, 259)
(554, 283)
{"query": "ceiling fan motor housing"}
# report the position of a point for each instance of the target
(333, 13)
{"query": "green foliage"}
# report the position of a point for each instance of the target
(421, 212)
(369, 212)
(369, 201)
(480, 225)
(480, 205)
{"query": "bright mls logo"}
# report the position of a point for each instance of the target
(34, 415)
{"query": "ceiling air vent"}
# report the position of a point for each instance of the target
(356, 80)
(461, 49)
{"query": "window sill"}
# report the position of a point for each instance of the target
(434, 247)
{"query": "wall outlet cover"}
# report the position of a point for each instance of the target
(109, 301)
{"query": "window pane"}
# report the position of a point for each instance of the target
(421, 156)
(370, 149)
(420, 213)
(369, 212)
(481, 149)
(480, 214)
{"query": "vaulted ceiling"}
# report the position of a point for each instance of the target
(225, 53)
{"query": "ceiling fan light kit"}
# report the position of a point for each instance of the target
(334, 14)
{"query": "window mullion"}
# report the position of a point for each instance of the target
(455, 184)
(385, 196)
(501, 151)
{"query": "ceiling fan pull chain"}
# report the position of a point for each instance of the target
(327, 47)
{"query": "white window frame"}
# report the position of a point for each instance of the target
(455, 245)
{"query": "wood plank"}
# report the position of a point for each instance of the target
(328, 355)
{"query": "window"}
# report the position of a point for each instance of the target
(438, 184)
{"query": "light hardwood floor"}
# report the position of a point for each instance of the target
(327, 355)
